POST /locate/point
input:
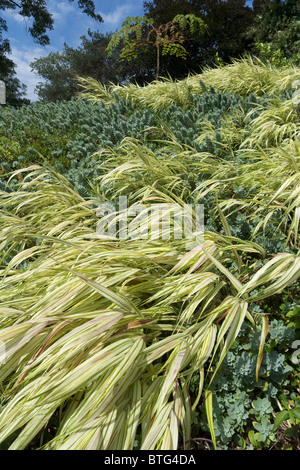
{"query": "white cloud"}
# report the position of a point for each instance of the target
(116, 17)
(69, 24)
(22, 57)
(61, 11)
(14, 15)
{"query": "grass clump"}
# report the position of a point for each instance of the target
(116, 342)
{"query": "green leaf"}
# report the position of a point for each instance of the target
(264, 333)
(253, 437)
(280, 417)
(296, 412)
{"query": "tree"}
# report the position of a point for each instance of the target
(14, 88)
(227, 22)
(276, 31)
(59, 69)
(137, 32)
(57, 78)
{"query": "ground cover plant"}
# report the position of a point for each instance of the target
(113, 342)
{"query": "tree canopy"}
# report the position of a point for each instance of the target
(137, 32)
(14, 88)
(276, 30)
(59, 69)
(226, 21)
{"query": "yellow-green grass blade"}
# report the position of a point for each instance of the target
(264, 333)
(208, 396)
(234, 281)
(231, 325)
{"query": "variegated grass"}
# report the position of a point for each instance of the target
(106, 334)
(112, 331)
(244, 76)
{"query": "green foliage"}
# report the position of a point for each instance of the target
(129, 25)
(227, 23)
(14, 88)
(151, 323)
(293, 316)
(66, 134)
(169, 37)
(274, 56)
(276, 32)
(40, 22)
(244, 406)
(60, 69)
(205, 111)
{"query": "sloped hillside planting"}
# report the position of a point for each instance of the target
(122, 342)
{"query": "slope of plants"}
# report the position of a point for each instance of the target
(130, 342)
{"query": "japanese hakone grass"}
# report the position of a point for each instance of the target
(134, 170)
(245, 76)
(155, 96)
(276, 123)
(249, 75)
(270, 180)
(271, 124)
(105, 335)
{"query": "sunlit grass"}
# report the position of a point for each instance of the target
(103, 335)
(243, 76)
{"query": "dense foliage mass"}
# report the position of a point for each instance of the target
(125, 342)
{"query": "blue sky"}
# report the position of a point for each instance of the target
(69, 24)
